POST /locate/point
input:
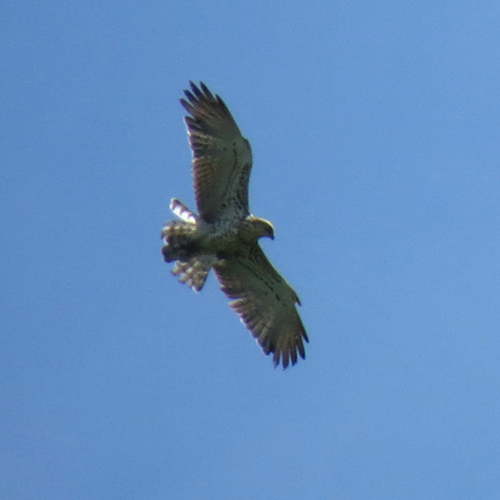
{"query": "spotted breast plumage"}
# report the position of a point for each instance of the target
(224, 235)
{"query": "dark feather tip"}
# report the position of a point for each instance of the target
(188, 106)
(205, 90)
(197, 92)
(190, 96)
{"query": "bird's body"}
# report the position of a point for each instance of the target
(224, 236)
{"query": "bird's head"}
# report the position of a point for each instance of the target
(262, 228)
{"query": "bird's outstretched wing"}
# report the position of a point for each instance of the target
(222, 158)
(265, 302)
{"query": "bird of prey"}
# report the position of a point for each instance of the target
(224, 235)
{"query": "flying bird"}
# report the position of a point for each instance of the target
(224, 235)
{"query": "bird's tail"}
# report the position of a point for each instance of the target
(183, 212)
(180, 242)
(180, 235)
(182, 245)
(194, 272)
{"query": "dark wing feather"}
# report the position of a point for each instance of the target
(222, 158)
(265, 302)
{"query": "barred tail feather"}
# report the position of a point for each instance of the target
(183, 212)
(182, 244)
(179, 239)
(194, 272)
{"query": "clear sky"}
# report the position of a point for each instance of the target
(375, 130)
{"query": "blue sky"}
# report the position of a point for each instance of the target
(375, 133)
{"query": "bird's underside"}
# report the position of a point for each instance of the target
(224, 236)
